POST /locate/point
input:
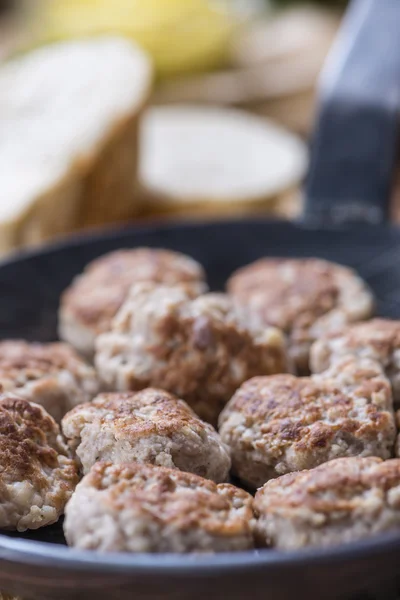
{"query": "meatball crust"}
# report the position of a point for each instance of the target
(52, 375)
(279, 424)
(150, 426)
(341, 501)
(38, 475)
(142, 508)
(201, 349)
(94, 297)
(378, 339)
(304, 297)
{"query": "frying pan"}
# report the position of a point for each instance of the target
(346, 208)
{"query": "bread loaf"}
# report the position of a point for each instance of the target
(69, 118)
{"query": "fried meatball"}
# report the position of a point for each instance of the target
(94, 297)
(52, 375)
(378, 340)
(151, 426)
(201, 349)
(143, 508)
(275, 425)
(37, 475)
(340, 501)
(304, 297)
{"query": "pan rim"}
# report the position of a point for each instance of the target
(103, 234)
(47, 555)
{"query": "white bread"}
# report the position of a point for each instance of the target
(69, 123)
(201, 159)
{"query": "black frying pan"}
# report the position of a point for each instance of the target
(350, 179)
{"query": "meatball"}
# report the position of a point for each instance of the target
(37, 475)
(378, 340)
(340, 501)
(275, 425)
(94, 297)
(304, 297)
(52, 375)
(143, 508)
(151, 426)
(199, 349)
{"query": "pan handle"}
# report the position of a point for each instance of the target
(354, 147)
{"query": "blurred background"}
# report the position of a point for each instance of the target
(217, 124)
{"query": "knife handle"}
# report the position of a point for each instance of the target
(355, 144)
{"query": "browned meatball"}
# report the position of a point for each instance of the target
(52, 375)
(377, 340)
(338, 502)
(199, 349)
(37, 475)
(306, 298)
(143, 508)
(275, 425)
(151, 426)
(94, 297)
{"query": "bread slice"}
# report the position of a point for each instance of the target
(206, 160)
(69, 117)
